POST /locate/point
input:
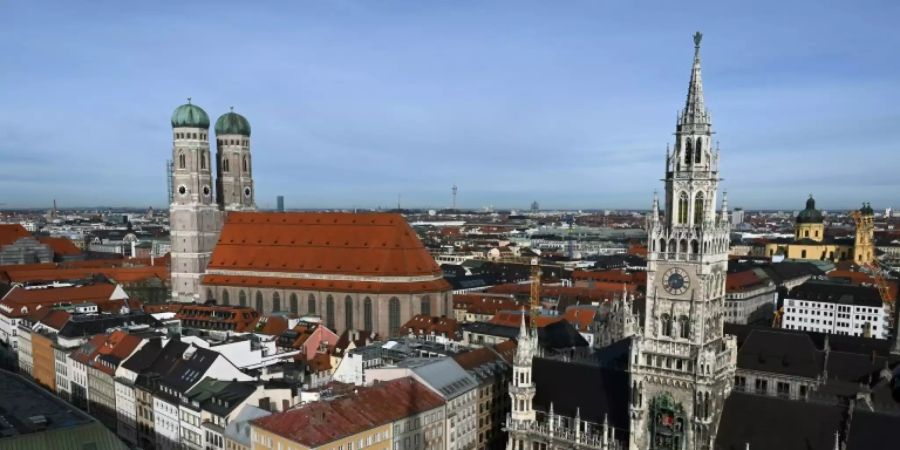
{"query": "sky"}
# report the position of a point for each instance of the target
(356, 103)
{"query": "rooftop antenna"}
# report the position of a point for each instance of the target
(455, 190)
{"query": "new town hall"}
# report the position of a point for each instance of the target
(364, 272)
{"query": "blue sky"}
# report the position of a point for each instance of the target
(570, 103)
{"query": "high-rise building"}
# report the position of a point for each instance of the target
(279, 202)
(737, 216)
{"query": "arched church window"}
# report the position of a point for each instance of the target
(311, 304)
(259, 302)
(226, 165)
(698, 208)
(242, 298)
(683, 207)
(662, 245)
(688, 152)
(244, 166)
(182, 161)
(203, 160)
(295, 304)
(209, 294)
(225, 298)
(695, 247)
(276, 302)
(393, 315)
(698, 151)
(426, 305)
(329, 312)
(683, 246)
(348, 313)
(367, 314)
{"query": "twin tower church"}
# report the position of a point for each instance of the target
(364, 272)
(370, 272)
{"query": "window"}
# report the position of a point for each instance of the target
(698, 208)
(367, 314)
(259, 302)
(698, 151)
(226, 165)
(203, 160)
(784, 389)
(276, 302)
(225, 299)
(683, 208)
(329, 313)
(311, 304)
(393, 315)
(348, 313)
(684, 326)
(761, 386)
(688, 153)
(182, 161)
(295, 304)
(425, 304)
(666, 322)
(242, 298)
(244, 167)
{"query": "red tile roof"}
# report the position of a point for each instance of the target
(423, 324)
(214, 317)
(514, 319)
(319, 423)
(61, 246)
(10, 233)
(739, 281)
(581, 317)
(124, 275)
(19, 297)
(476, 358)
(376, 244)
(484, 304)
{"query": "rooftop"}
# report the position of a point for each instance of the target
(319, 423)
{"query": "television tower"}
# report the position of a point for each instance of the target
(455, 190)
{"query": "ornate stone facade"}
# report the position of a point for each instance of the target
(682, 365)
(679, 366)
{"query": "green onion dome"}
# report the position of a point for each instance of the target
(190, 115)
(232, 123)
(867, 210)
(810, 214)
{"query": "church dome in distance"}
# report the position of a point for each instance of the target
(190, 115)
(232, 123)
(810, 214)
(867, 210)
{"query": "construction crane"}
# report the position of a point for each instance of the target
(864, 232)
(535, 291)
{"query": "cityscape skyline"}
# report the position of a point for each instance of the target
(338, 119)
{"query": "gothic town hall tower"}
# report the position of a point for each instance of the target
(681, 364)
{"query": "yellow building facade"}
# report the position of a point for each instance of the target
(377, 438)
(810, 243)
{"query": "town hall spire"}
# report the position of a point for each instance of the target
(695, 108)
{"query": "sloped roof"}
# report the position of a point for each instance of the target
(374, 244)
(774, 351)
(773, 423)
(594, 391)
(10, 233)
(61, 246)
(319, 423)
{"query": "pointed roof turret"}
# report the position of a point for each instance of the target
(695, 108)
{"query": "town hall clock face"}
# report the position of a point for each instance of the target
(676, 281)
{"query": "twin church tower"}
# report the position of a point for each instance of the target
(198, 206)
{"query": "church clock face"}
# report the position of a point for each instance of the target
(676, 281)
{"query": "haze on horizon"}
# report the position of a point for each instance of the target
(355, 102)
